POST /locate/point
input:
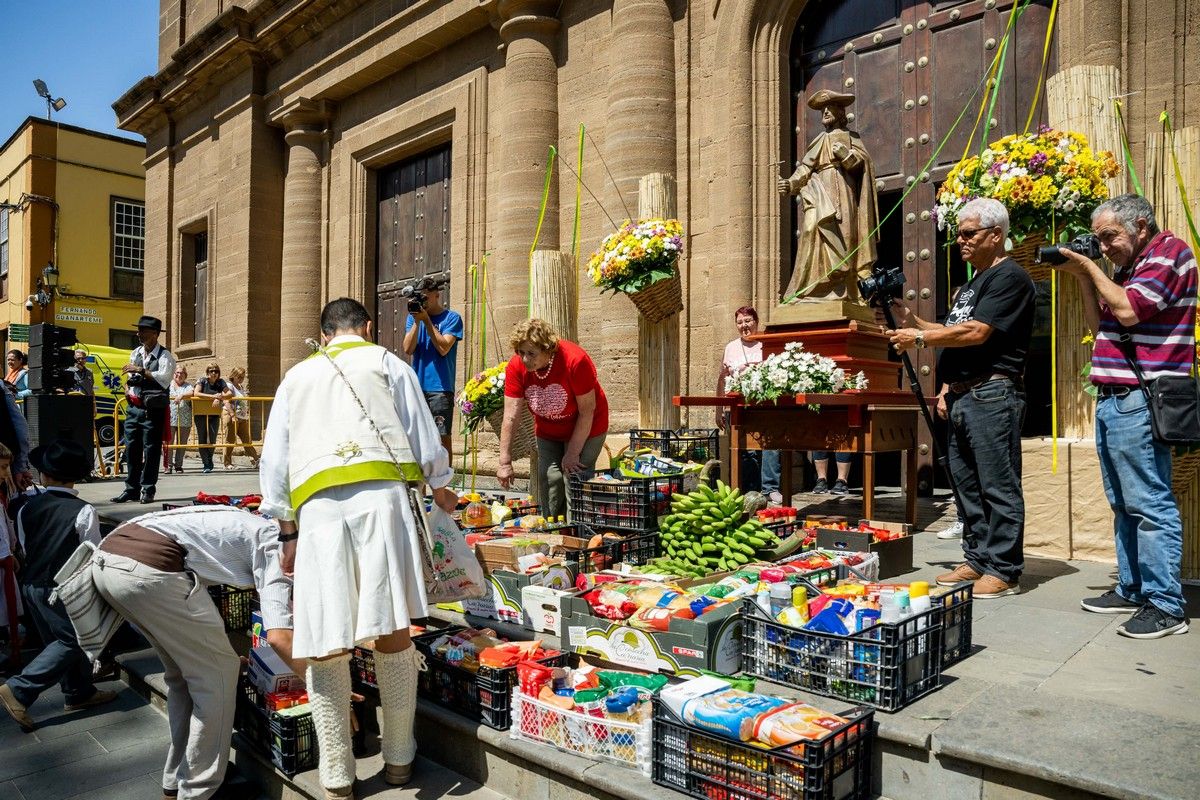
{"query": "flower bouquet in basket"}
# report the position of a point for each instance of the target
(792, 372)
(482, 400)
(642, 260)
(1049, 181)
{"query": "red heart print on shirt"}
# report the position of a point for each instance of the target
(547, 402)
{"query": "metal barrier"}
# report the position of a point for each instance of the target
(259, 410)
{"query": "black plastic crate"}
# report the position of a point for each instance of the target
(629, 504)
(173, 506)
(632, 548)
(362, 669)
(485, 695)
(235, 606)
(696, 444)
(709, 767)
(289, 741)
(956, 606)
(886, 666)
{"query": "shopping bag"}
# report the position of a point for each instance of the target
(94, 620)
(452, 572)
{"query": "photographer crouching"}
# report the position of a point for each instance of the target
(984, 344)
(431, 336)
(1144, 319)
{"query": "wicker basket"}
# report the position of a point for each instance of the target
(1025, 254)
(661, 299)
(523, 442)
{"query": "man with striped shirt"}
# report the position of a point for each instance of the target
(1152, 297)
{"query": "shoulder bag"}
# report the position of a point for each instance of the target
(94, 620)
(450, 570)
(1173, 400)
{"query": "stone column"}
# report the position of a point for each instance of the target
(529, 126)
(640, 140)
(304, 123)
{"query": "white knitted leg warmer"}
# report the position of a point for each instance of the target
(397, 677)
(329, 698)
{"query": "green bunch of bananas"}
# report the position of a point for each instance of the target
(708, 531)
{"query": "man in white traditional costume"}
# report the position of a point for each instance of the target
(349, 431)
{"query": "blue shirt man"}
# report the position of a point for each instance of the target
(431, 338)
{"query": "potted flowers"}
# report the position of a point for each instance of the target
(1049, 181)
(792, 372)
(482, 400)
(642, 260)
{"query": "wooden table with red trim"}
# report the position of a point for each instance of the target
(862, 422)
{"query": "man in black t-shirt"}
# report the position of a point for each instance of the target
(985, 341)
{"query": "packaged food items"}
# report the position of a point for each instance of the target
(712, 705)
(798, 722)
(731, 713)
(476, 515)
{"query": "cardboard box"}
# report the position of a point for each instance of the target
(503, 599)
(269, 673)
(503, 553)
(542, 607)
(711, 642)
(895, 556)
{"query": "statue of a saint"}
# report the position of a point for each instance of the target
(839, 208)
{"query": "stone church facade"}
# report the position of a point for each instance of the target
(300, 150)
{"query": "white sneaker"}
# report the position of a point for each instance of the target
(775, 498)
(955, 531)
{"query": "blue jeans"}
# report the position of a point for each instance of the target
(760, 471)
(839, 456)
(985, 456)
(61, 661)
(1137, 479)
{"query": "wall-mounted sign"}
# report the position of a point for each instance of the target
(18, 332)
(78, 314)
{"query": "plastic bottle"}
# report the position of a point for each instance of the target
(763, 598)
(889, 610)
(919, 597)
(800, 601)
(781, 598)
(903, 604)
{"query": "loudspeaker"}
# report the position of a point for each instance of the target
(61, 416)
(51, 355)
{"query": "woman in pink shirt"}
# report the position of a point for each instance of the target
(760, 469)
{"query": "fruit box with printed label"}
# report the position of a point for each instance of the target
(895, 555)
(542, 606)
(503, 598)
(709, 642)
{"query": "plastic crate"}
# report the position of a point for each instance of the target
(633, 548)
(697, 444)
(235, 606)
(362, 669)
(485, 695)
(289, 741)
(956, 606)
(625, 743)
(704, 766)
(630, 505)
(886, 666)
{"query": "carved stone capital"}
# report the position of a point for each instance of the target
(522, 18)
(303, 116)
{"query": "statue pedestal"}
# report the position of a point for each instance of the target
(856, 345)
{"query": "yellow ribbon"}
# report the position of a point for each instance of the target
(1037, 95)
(537, 233)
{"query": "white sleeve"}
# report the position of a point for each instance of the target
(273, 468)
(87, 524)
(423, 436)
(274, 588)
(165, 370)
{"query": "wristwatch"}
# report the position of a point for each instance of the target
(289, 537)
(920, 339)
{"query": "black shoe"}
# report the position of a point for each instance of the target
(127, 496)
(839, 487)
(821, 486)
(1108, 603)
(1151, 622)
(147, 495)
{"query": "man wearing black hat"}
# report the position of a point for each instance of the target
(51, 524)
(148, 375)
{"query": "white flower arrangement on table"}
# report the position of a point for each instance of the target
(795, 371)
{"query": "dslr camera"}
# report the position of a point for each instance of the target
(416, 292)
(882, 286)
(1086, 245)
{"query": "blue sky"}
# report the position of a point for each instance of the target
(88, 52)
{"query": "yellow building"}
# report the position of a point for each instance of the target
(74, 199)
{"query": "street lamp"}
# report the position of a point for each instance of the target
(52, 103)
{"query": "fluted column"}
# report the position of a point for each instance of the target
(640, 141)
(304, 123)
(529, 126)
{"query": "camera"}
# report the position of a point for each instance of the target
(1086, 245)
(29, 304)
(882, 286)
(416, 292)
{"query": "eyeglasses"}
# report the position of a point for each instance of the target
(967, 233)
(213, 371)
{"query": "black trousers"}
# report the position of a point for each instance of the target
(206, 426)
(143, 446)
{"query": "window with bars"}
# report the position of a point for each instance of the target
(128, 247)
(4, 252)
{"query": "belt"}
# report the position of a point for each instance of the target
(1113, 390)
(962, 387)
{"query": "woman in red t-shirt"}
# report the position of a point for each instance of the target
(556, 380)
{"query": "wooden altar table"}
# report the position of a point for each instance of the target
(862, 422)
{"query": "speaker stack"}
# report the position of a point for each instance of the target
(51, 416)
